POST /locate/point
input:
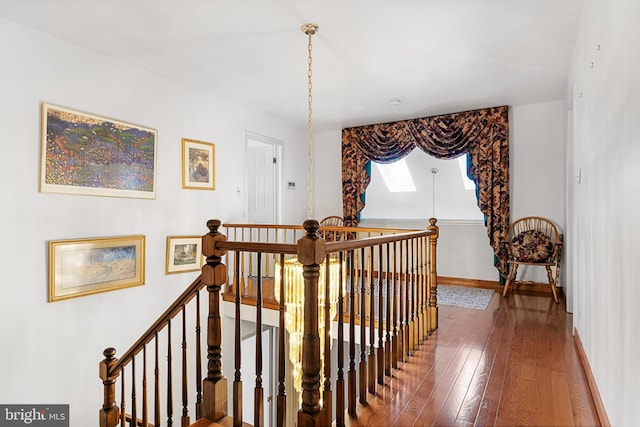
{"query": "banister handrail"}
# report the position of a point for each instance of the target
(374, 240)
(149, 335)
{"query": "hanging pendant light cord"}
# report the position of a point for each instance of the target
(309, 30)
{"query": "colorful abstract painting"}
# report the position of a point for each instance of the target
(86, 154)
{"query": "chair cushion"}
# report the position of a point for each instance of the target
(531, 246)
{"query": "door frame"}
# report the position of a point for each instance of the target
(277, 145)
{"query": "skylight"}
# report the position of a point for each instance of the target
(396, 176)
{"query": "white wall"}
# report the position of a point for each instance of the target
(537, 157)
(327, 178)
(537, 165)
(606, 226)
(50, 351)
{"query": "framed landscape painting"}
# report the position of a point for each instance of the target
(89, 266)
(91, 155)
(184, 253)
(198, 165)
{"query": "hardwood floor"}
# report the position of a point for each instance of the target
(514, 364)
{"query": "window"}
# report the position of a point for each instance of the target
(443, 195)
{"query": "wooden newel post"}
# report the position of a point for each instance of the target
(311, 253)
(214, 276)
(433, 276)
(109, 413)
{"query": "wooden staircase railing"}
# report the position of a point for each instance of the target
(388, 309)
(111, 368)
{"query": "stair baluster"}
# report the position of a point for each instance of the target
(433, 277)
(198, 361)
(123, 400)
(351, 375)
(372, 321)
(156, 381)
(184, 420)
(258, 398)
(394, 314)
(380, 320)
(237, 379)
(169, 377)
(340, 363)
(134, 402)
(327, 396)
(145, 403)
(282, 397)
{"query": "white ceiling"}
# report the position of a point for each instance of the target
(436, 56)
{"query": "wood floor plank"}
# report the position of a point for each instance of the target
(486, 413)
(543, 379)
(508, 409)
(562, 407)
(488, 409)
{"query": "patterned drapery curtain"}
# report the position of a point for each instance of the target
(483, 134)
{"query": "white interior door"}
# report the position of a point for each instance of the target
(262, 172)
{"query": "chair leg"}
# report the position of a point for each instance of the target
(552, 283)
(510, 278)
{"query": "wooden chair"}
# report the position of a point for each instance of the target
(534, 241)
(332, 235)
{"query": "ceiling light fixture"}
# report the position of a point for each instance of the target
(293, 280)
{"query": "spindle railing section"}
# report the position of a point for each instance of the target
(388, 309)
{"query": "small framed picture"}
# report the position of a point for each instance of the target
(198, 165)
(90, 266)
(184, 253)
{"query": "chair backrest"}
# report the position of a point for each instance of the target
(533, 239)
(534, 223)
(334, 235)
(332, 221)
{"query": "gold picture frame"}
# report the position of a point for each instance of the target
(198, 165)
(82, 267)
(86, 154)
(184, 253)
